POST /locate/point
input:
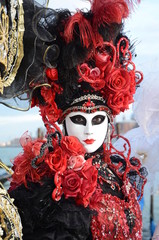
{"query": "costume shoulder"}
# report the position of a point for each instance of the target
(130, 170)
(56, 220)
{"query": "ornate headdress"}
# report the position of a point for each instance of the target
(79, 62)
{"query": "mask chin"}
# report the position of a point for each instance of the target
(98, 151)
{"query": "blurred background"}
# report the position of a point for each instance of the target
(143, 29)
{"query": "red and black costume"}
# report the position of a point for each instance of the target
(81, 62)
(75, 195)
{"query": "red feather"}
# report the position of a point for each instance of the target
(85, 29)
(111, 11)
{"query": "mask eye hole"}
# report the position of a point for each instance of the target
(98, 119)
(78, 119)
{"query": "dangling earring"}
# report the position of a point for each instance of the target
(108, 137)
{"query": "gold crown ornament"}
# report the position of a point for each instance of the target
(11, 40)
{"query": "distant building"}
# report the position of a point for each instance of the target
(2, 144)
(15, 142)
(125, 126)
(41, 133)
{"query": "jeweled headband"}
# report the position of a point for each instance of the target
(87, 103)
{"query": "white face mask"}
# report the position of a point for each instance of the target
(89, 128)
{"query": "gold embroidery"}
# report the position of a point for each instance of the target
(11, 42)
(4, 26)
(10, 224)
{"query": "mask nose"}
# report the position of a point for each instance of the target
(88, 128)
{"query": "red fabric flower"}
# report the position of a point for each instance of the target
(72, 146)
(76, 162)
(92, 76)
(23, 170)
(80, 183)
(56, 160)
(84, 69)
(98, 84)
(103, 61)
(37, 146)
(94, 73)
(51, 111)
(119, 101)
(52, 74)
(89, 175)
(119, 80)
(71, 183)
(25, 139)
(116, 81)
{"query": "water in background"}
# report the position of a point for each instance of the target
(7, 154)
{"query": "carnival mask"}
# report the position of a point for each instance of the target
(89, 128)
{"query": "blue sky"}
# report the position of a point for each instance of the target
(142, 26)
(14, 123)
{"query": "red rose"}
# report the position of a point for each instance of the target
(128, 98)
(56, 160)
(71, 184)
(89, 175)
(75, 162)
(103, 62)
(72, 146)
(51, 111)
(98, 84)
(52, 73)
(94, 73)
(119, 80)
(84, 69)
(119, 101)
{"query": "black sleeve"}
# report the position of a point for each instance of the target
(45, 219)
